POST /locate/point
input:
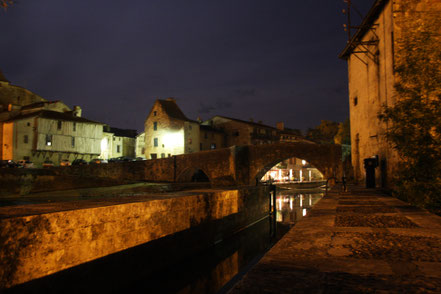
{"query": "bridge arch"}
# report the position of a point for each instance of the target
(192, 174)
(270, 166)
(326, 158)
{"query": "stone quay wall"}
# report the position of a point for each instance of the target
(37, 245)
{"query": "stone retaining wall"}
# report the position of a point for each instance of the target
(35, 246)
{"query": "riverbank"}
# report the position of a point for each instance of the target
(361, 241)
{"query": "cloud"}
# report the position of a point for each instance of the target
(246, 92)
(219, 104)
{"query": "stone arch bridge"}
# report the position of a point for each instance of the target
(233, 166)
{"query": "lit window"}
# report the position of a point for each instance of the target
(48, 140)
(213, 146)
(59, 125)
(155, 142)
(25, 139)
(155, 126)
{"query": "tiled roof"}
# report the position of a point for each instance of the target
(54, 115)
(363, 27)
(124, 132)
(172, 109)
(247, 122)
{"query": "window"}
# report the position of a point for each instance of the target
(73, 142)
(48, 140)
(28, 124)
(118, 148)
(213, 146)
(153, 155)
(162, 155)
(155, 126)
(74, 127)
(190, 141)
(25, 139)
(355, 101)
(155, 142)
(154, 114)
(169, 155)
(59, 125)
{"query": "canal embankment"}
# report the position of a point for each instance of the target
(40, 241)
(361, 241)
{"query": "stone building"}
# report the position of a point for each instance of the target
(140, 145)
(240, 132)
(211, 138)
(371, 54)
(33, 128)
(118, 143)
(49, 135)
(169, 132)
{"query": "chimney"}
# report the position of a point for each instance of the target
(280, 126)
(77, 111)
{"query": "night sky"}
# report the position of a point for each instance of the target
(269, 60)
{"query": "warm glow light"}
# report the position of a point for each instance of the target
(301, 200)
(303, 162)
(171, 140)
(290, 203)
(103, 145)
(304, 211)
(280, 203)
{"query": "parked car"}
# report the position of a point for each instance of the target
(121, 159)
(25, 164)
(79, 162)
(8, 163)
(97, 161)
(65, 162)
(48, 163)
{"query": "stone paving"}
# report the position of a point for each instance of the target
(360, 241)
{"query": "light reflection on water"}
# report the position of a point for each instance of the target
(292, 206)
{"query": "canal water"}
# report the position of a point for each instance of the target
(217, 269)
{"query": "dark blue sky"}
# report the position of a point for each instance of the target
(270, 60)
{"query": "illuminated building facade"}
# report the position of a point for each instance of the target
(35, 129)
(140, 145)
(169, 132)
(50, 135)
(371, 55)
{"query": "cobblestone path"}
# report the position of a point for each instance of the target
(360, 241)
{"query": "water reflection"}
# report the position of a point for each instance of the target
(292, 206)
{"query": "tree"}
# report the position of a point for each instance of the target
(414, 121)
(343, 135)
(323, 133)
